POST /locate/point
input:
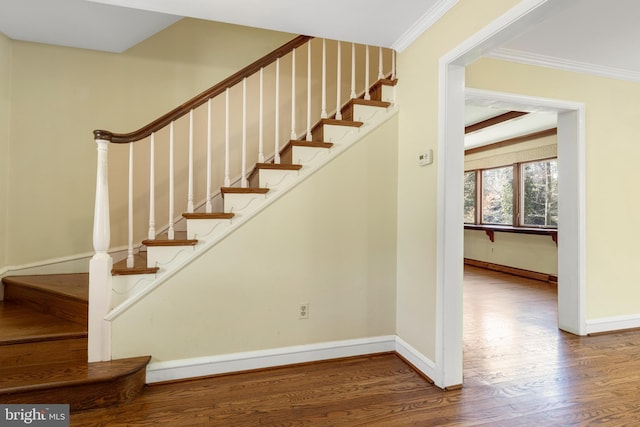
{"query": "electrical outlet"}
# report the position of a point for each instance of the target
(304, 310)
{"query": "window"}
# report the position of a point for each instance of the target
(540, 193)
(519, 195)
(470, 197)
(497, 196)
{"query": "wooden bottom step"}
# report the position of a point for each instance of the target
(81, 385)
(29, 337)
(62, 295)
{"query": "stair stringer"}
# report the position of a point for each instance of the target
(370, 192)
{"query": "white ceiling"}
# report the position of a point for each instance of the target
(529, 123)
(79, 23)
(592, 36)
(116, 25)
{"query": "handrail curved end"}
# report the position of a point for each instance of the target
(103, 135)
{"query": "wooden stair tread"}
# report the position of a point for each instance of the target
(57, 375)
(139, 266)
(272, 166)
(20, 324)
(278, 166)
(369, 102)
(299, 143)
(74, 286)
(133, 271)
(167, 242)
(211, 215)
(243, 190)
(337, 122)
(386, 82)
(315, 144)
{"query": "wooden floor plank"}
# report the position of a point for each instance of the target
(520, 370)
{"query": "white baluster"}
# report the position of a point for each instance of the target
(261, 119)
(243, 181)
(276, 158)
(100, 266)
(130, 219)
(171, 184)
(190, 185)
(227, 179)
(380, 64)
(367, 96)
(394, 74)
(208, 207)
(339, 83)
(151, 235)
(393, 65)
(293, 94)
(323, 113)
(353, 70)
(309, 91)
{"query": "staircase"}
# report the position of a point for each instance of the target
(266, 182)
(46, 321)
(43, 347)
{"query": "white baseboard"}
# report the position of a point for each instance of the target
(71, 264)
(616, 323)
(422, 363)
(246, 361)
(237, 362)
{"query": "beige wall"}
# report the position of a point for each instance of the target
(611, 172)
(59, 95)
(417, 186)
(529, 252)
(5, 92)
(330, 241)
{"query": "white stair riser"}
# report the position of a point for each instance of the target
(123, 287)
(242, 204)
(388, 93)
(337, 133)
(307, 156)
(165, 256)
(204, 230)
(275, 178)
(364, 113)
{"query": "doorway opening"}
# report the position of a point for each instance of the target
(571, 251)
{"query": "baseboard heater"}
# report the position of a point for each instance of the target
(512, 270)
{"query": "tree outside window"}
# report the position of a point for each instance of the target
(497, 196)
(470, 197)
(540, 193)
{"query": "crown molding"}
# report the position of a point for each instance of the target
(563, 64)
(423, 23)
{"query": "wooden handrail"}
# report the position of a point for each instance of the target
(200, 99)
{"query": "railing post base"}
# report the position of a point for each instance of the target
(99, 348)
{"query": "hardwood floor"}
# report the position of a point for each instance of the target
(520, 370)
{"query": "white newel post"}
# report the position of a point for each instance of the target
(99, 348)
